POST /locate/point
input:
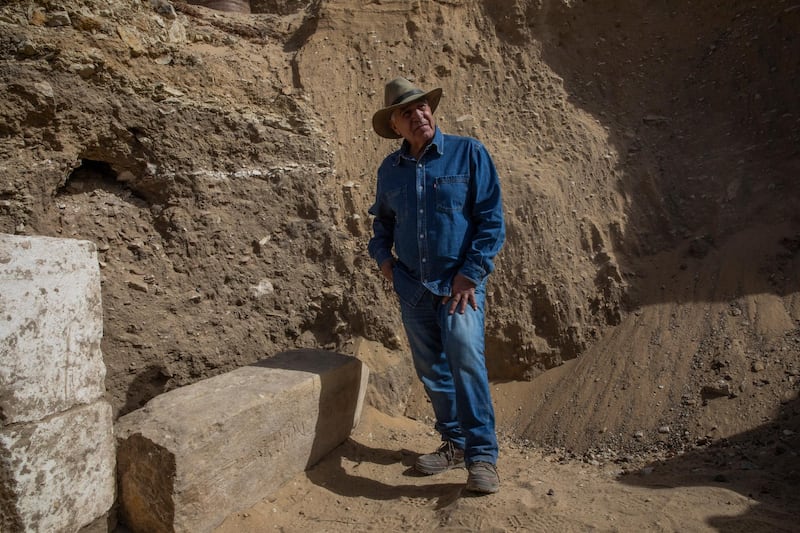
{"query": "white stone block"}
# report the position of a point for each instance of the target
(57, 475)
(57, 450)
(194, 455)
(51, 324)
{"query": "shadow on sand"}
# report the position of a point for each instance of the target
(762, 465)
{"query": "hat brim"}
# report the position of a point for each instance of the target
(381, 119)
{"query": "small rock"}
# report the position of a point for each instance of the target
(258, 246)
(171, 91)
(654, 119)
(86, 22)
(27, 48)
(264, 288)
(59, 18)
(83, 70)
(717, 390)
(44, 90)
(131, 38)
(126, 176)
(177, 33)
(163, 7)
(37, 18)
(138, 285)
(465, 119)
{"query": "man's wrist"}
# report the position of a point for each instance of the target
(469, 278)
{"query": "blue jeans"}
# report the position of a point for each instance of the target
(449, 359)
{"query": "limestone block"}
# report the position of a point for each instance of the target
(194, 455)
(57, 475)
(51, 324)
(57, 451)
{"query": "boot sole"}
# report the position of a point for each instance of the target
(433, 471)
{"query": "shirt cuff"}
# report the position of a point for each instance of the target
(382, 256)
(474, 273)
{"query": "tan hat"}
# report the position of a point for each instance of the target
(398, 93)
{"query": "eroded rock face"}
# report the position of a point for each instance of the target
(278, 7)
(233, 6)
(221, 171)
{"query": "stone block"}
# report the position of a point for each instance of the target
(57, 450)
(57, 474)
(194, 455)
(51, 324)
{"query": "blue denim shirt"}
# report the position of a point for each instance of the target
(443, 214)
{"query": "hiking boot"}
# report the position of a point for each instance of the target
(483, 478)
(443, 459)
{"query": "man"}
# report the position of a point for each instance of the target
(438, 225)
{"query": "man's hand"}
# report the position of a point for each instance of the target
(386, 269)
(463, 293)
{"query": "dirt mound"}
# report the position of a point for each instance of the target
(646, 299)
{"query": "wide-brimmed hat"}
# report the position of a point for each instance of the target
(398, 93)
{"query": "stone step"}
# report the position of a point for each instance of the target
(194, 455)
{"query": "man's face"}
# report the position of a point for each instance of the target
(415, 123)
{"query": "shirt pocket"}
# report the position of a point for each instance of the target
(451, 192)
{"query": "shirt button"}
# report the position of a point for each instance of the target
(421, 211)
(424, 260)
(421, 235)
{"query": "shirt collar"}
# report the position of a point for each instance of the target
(437, 143)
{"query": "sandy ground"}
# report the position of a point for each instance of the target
(369, 484)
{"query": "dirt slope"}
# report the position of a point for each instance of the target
(645, 304)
